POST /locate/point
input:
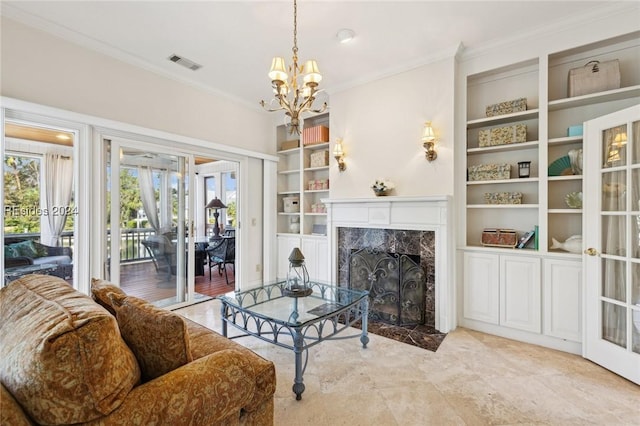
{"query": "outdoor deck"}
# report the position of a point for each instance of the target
(143, 281)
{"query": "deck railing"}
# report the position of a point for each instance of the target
(131, 248)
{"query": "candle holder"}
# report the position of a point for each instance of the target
(524, 169)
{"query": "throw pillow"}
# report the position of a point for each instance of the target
(157, 337)
(25, 248)
(101, 291)
(41, 250)
(10, 251)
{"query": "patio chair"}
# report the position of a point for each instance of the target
(221, 254)
(163, 253)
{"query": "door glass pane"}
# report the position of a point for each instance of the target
(635, 143)
(635, 335)
(614, 191)
(39, 206)
(635, 236)
(635, 284)
(614, 279)
(152, 256)
(614, 324)
(635, 190)
(614, 236)
(615, 146)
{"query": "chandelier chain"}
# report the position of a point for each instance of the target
(295, 28)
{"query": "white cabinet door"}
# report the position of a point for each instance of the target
(520, 293)
(316, 258)
(481, 287)
(563, 299)
(285, 245)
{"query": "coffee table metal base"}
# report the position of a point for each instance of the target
(303, 335)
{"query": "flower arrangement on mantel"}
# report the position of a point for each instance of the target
(382, 187)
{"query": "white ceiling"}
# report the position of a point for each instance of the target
(234, 41)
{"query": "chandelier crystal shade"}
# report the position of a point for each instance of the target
(292, 95)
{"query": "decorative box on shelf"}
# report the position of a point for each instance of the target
(318, 184)
(574, 130)
(319, 158)
(503, 135)
(497, 237)
(318, 208)
(594, 76)
(295, 143)
(507, 107)
(291, 204)
(314, 135)
(503, 197)
(489, 172)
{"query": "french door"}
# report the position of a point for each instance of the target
(149, 216)
(612, 238)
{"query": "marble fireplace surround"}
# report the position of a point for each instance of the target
(402, 214)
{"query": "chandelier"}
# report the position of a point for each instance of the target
(290, 95)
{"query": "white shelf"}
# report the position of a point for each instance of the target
(289, 151)
(288, 172)
(315, 169)
(288, 214)
(502, 119)
(595, 98)
(312, 191)
(317, 146)
(314, 214)
(503, 148)
(288, 192)
(500, 181)
(565, 140)
(502, 206)
(565, 211)
(564, 178)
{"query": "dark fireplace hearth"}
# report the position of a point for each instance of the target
(396, 285)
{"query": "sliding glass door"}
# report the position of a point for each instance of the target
(149, 218)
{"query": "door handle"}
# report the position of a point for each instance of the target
(591, 251)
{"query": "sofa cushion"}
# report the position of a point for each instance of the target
(56, 260)
(157, 337)
(101, 291)
(62, 356)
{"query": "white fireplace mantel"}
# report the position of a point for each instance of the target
(410, 213)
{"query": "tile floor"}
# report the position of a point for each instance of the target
(472, 379)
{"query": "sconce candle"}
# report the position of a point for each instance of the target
(524, 169)
(338, 153)
(429, 141)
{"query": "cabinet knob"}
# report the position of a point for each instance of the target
(591, 251)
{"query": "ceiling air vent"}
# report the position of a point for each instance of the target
(185, 62)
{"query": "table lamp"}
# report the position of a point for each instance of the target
(216, 205)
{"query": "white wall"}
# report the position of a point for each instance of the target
(43, 69)
(381, 123)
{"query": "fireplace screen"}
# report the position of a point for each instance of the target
(396, 285)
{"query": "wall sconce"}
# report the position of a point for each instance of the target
(338, 153)
(429, 141)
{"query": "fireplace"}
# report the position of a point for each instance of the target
(396, 285)
(381, 256)
(417, 227)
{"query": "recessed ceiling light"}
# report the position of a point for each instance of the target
(345, 35)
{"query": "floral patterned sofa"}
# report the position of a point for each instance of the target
(67, 358)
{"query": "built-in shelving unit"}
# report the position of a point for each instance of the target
(502, 286)
(308, 183)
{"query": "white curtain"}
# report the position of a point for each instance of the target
(148, 196)
(59, 185)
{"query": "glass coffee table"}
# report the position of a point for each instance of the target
(296, 323)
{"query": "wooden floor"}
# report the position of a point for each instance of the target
(143, 281)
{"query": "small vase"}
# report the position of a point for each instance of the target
(380, 192)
